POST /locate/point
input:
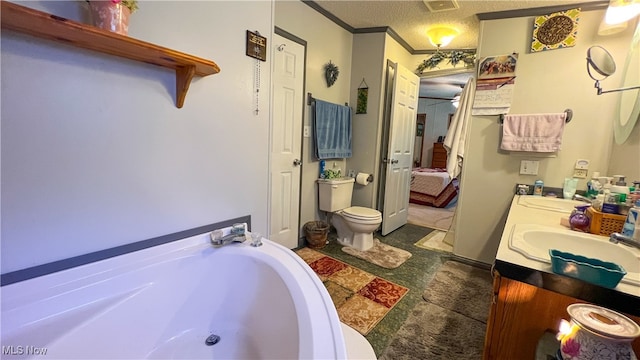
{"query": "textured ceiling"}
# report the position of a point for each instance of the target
(411, 19)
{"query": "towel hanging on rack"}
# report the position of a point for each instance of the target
(533, 132)
(332, 130)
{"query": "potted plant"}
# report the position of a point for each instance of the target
(112, 15)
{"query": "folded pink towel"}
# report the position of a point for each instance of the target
(533, 132)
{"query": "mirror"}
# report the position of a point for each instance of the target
(599, 59)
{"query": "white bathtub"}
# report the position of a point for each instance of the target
(164, 301)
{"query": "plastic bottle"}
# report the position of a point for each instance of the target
(633, 220)
(578, 220)
(322, 165)
(538, 187)
(593, 185)
(621, 189)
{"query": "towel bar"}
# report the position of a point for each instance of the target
(569, 113)
(311, 100)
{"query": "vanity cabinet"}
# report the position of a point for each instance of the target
(521, 314)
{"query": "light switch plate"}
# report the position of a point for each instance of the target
(529, 167)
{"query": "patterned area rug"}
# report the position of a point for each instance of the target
(451, 323)
(381, 254)
(362, 299)
(435, 241)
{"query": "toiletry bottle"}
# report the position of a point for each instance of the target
(538, 187)
(621, 189)
(594, 186)
(633, 220)
(322, 165)
(578, 220)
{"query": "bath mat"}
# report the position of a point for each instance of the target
(435, 241)
(442, 327)
(361, 299)
(381, 254)
(461, 288)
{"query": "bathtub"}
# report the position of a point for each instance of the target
(165, 301)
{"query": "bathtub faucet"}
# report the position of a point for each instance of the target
(238, 234)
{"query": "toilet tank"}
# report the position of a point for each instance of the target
(335, 194)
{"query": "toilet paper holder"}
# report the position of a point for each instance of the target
(369, 178)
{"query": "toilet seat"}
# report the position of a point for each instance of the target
(362, 214)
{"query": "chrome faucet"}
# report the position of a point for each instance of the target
(581, 198)
(238, 234)
(625, 240)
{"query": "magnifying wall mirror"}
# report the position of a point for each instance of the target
(600, 61)
(600, 65)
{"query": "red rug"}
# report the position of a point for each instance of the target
(361, 299)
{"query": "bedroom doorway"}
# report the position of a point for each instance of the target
(433, 197)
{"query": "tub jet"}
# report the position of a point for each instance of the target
(212, 340)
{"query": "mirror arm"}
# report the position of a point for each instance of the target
(600, 91)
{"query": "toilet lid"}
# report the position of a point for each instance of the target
(359, 212)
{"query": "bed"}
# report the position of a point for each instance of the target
(432, 187)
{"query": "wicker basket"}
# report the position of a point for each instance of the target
(316, 234)
(603, 223)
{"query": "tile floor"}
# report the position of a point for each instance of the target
(414, 274)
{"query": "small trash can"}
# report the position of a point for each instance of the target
(316, 234)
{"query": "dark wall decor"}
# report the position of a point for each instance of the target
(363, 95)
(331, 73)
(256, 45)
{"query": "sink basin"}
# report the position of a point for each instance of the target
(549, 203)
(534, 241)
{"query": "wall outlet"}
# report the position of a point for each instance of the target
(352, 173)
(529, 167)
(306, 131)
(580, 173)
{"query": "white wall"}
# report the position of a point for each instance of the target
(95, 153)
(326, 42)
(549, 81)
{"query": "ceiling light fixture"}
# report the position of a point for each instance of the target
(441, 36)
(620, 11)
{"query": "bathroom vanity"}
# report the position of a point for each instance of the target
(529, 300)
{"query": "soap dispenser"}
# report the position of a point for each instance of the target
(578, 220)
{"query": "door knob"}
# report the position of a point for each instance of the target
(297, 162)
(393, 161)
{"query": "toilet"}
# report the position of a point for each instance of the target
(354, 224)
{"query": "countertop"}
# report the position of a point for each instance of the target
(515, 266)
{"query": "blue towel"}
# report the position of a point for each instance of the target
(332, 130)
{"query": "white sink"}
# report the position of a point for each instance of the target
(549, 203)
(534, 241)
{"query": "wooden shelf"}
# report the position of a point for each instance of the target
(47, 26)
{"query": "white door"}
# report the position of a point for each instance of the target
(286, 141)
(399, 157)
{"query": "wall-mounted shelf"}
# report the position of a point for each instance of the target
(47, 26)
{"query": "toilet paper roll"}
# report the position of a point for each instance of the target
(362, 179)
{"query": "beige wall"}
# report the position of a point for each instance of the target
(368, 63)
(326, 42)
(549, 81)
